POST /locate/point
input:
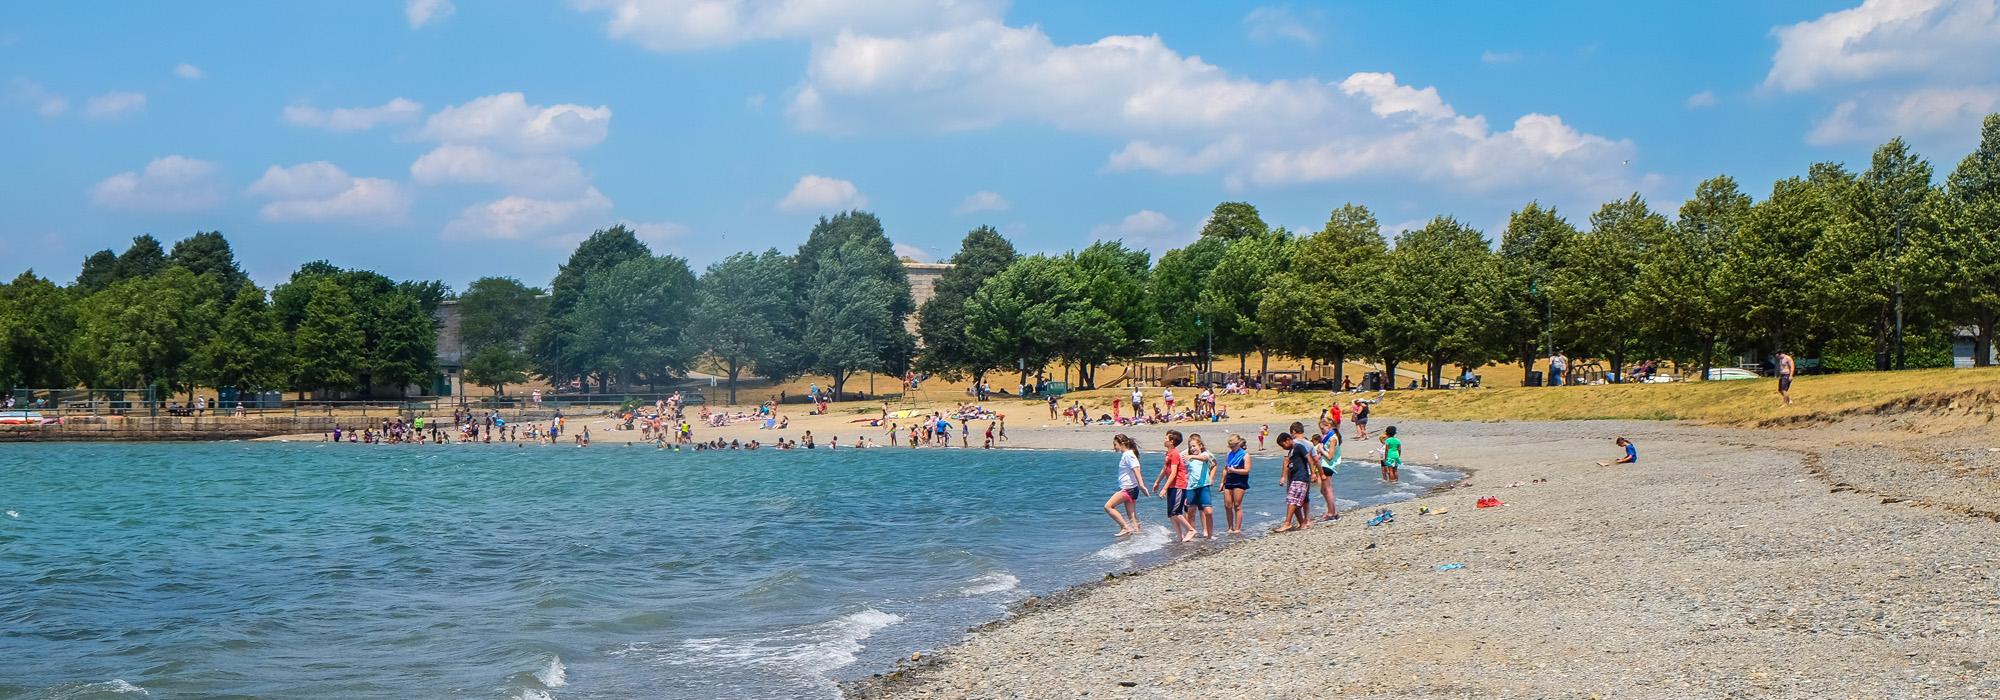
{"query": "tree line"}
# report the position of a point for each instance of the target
(1856, 270)
(150, 319)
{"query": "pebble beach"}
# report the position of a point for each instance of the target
(1842, 560)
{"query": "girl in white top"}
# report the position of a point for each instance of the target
(1131, 483)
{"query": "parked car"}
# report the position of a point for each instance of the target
(1727, 373)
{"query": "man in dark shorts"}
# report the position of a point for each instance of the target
(1785, 371)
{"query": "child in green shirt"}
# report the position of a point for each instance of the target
(1392, 453)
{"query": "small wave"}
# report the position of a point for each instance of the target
(1150, 538)
(992, 582)
(555, 675)
(816, 649)
(115, 686)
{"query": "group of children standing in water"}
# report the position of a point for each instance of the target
(1189, 473)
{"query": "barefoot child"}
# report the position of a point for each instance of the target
(1392, 454)
(1175, 476)
(1130, 484)
(1262, 433)
(1326, 452)
(1235, 482)
(1295, 478)
(1201, 480)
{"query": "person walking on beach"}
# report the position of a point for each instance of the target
(1294, 478)
(1785, 370)
(1262, 433)
(1175, 476)
(1360, 419)
(1201, 481)
(1392, 454)
(1236, 481)
(1131, 483)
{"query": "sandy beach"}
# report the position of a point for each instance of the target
(1850, 560)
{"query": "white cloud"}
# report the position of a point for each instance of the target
(395, 111)
(508, 121)
(690, 25)
(1928, 39)
(905, 250)
(450, 164)
(422, 12)
(320, 191)
(188, 71)
(1921, 111)
(1911, 67)
(1274, 23)
(518, 217)
(46, 103)
(983, 200)
(168, 184)
(1701, 100)
(813, 194)
(1179, 114)
(1491, 56)
(112, 105)
(1144, 228)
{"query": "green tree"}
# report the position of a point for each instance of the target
(1591, 295)
(37, 323)
(1232, 221)
(207, 255)
(144, 258)
(1686, 307)
(1868, 252)
(941, 320)
(247, 348)
(1969, 217)
(1436, 299)
(854, 298)
(1035, 312)
(1318, 306)
(100, 270)
(1529, 258)
(327, 345)
(1113, 281)
(1177, 281)
(1233, 293)
(143, 331)
(497, 311)
(630, 322)
(496, 366)
(1770, 272)
(402, 342)
(551, 342)
(742, 311)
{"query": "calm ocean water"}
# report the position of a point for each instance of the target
(316, 570)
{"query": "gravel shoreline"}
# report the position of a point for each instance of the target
(1833, 561)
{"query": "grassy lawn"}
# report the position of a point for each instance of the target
(1732, 402)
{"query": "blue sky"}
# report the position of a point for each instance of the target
(427, 140)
